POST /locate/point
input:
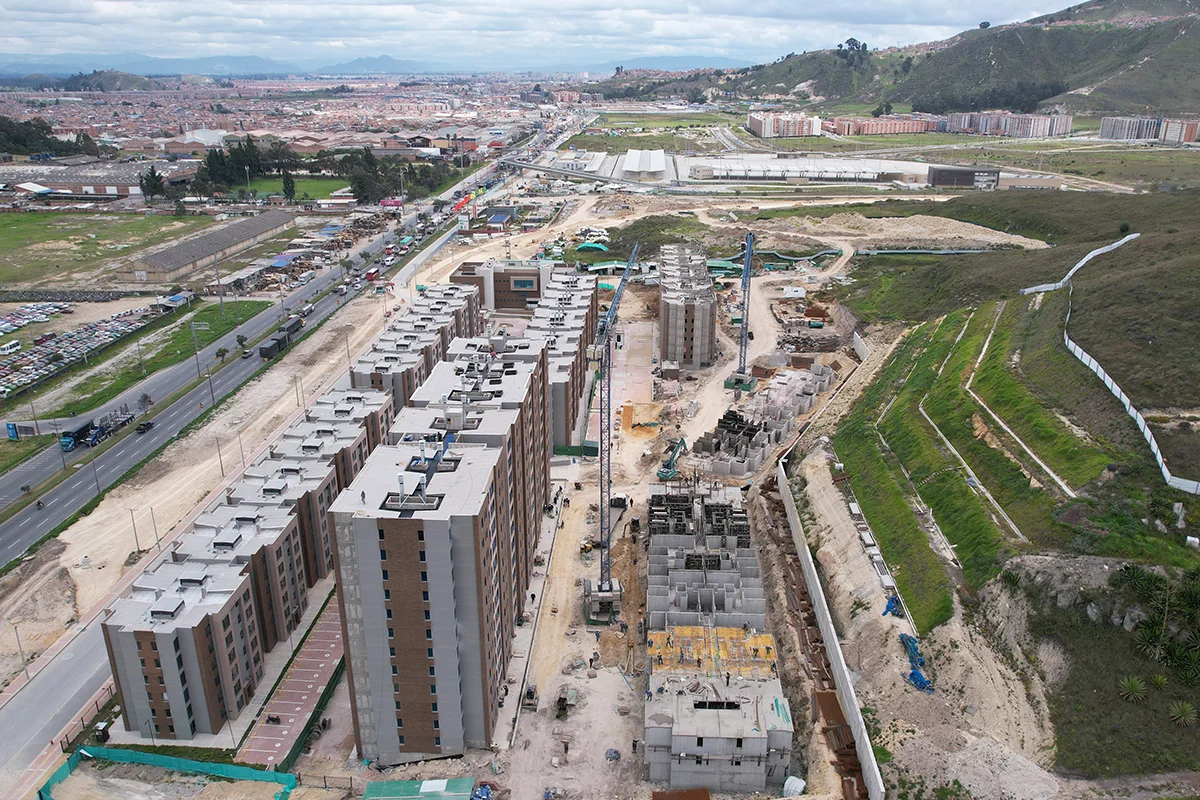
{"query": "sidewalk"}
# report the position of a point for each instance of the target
(518, 666)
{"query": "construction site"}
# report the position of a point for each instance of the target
(649, 622)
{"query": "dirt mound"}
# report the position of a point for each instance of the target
(915, 231)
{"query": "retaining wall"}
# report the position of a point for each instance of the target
(833, 648)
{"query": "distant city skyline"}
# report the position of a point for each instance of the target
(472, 35)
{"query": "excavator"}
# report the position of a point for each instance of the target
(668, 471)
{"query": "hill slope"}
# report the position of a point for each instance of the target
(110, 81)
(1101, 56)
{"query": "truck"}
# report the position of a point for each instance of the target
(291, 326)
(273, 346)
(72, 437)
(307, 309)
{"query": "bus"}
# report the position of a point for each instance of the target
(10, 347)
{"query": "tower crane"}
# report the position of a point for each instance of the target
(741, 370)
(607, 591)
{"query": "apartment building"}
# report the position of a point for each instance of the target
(566, 318)
(687, 310)
(773, 125)
(1129, 127)
(185, 648)
(1179, 131)
(706, 615)
(422, 557)
(508, 379)
(506, 284)
(1005, 123)
(880, 126)
(435, 542)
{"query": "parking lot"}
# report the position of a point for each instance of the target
(52, 353)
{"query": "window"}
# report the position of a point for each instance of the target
(393, 651)
(381, 535)
(387, 594)
(436, 725)
(738, 743)
(399, 722)
(420, 536)
(437, 741)
(176, 645)
(383, 555)
(154, 646)
(424, 577)
(385, 575)
(394, 670)
(435, 708)
(389, 613)
(433, 688)
(429, 652)
(397, 708)
(401, 740)
(428, 634)
(139, 644)
(425, 596)
(391, 635)
(699, 741)
(161, 682)
(421, 556)
(426, 615)
(431, 672)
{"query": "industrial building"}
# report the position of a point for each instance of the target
(435, 550)
(687, 310)
(773, 125)
(983, 178)
(180, 261)
(716, 716)
(643, 165)
(94, 178)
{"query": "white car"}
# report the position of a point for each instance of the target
(387, 262)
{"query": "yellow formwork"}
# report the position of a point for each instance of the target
(688, 649)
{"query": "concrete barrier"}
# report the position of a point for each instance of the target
(833, 648)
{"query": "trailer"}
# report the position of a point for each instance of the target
(273, 346)
(291, 326)
(71, 438)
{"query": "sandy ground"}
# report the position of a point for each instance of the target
(982, 726)
(83, 314)
(96, 549)
(109, 781)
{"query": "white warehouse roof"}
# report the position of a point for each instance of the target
(645, 161)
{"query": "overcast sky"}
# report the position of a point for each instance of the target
(477, 34)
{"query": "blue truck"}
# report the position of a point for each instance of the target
(73, 437)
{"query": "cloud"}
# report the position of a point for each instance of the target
(476, 34)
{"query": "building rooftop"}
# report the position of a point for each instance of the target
(402, 482)
(231, 534)
(215, 241)
(683, 274)
(177, 595)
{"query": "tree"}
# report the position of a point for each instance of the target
(241, 340)
(289, 186)
(180, 211)
(985, 25)
(152, 183)
(222, 352)
(145, 402)
(1124, 227)
(439, 204)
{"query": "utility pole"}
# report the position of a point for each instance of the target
(220, 292)
(348, 362)
(57, 428)
(220, 459)
(197, 326)
(136, 544)
(211, 392)
(24, 663)
(154, 522)
(95, 472)
(141, 363)
(36, 430)
(240, 450)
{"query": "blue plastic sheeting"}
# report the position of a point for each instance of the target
(284, 260)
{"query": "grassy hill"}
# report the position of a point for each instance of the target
(108, 80)
(1101, 56)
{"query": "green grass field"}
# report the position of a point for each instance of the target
(671, 142)
(57, 246)
(14, 452)
(881, 491)
(686, 120)
(1074, 459)
(1140, 168)
(315, 188)
(103, 385)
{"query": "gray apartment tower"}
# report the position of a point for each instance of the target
(687, 308)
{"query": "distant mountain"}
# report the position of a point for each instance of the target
(378, 65)
(1098, 57)
(668, 64)
(64, 64)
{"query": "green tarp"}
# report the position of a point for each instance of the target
(592, 247)
(451, 789)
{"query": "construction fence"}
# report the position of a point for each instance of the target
(837, 662)
(232, 772)
(1182, 484)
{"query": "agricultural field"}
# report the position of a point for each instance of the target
(306, 188)
(1148, 168)
(38, 248)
